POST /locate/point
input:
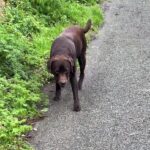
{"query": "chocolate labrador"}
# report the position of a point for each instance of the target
(69, 46)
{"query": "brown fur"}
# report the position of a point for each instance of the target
(69, 46)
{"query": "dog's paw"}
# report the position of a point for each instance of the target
(56, 98)
(77, 108)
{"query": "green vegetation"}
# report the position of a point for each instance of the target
(26, 33)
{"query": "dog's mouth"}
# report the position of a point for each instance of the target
(62, 85)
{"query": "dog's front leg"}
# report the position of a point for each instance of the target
(57, 93)
(74, 86)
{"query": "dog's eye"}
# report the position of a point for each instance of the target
(66, 72)
(56, 72)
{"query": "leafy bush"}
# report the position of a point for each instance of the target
(16, 53)
(18, 103)
(26, 33)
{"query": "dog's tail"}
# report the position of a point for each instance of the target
(88, 26)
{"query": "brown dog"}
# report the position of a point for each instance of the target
(68, 47)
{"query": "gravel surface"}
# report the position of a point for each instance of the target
(115, 99)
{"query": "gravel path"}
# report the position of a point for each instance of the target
(115, 99)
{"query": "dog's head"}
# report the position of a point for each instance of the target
(61, 67)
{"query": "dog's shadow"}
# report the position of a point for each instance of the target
(66, 101)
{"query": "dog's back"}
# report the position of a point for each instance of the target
(77, 35)
(63, 46)
(71, 41)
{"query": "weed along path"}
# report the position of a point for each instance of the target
(115, 99)
(2, 4)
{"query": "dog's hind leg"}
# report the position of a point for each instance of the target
(57, 93)
(82, 63)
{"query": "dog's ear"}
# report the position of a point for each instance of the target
(70, 60)
(49, 63)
